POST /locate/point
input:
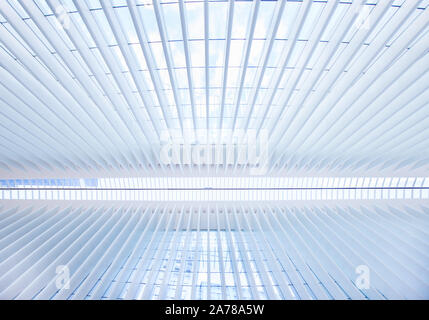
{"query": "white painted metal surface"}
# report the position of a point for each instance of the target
(263, 251)
(98, 86)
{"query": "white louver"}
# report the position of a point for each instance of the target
(214, 149)
(271, 251)
(217, 189)
(101, 85)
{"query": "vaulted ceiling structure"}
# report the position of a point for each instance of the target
(214, 149)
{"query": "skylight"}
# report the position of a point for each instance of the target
(214, 149)
(217, 189)
(95, 75)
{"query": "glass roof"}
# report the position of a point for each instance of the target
(129, 71)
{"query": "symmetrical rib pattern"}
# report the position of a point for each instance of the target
(93, 86)
(231, 251)
(214, 149)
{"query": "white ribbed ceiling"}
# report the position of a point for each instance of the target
(93, 86)
(312, 118)
(272, 251)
